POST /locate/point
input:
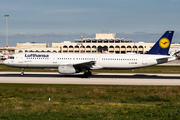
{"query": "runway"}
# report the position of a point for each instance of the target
(95, 79)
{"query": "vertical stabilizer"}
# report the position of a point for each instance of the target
(162, 45)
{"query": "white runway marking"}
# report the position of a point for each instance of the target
(96, 79)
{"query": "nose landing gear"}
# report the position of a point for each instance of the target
(22, 72)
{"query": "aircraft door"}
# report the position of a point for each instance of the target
(144, 60)
(20, 58)
(54, 60)
(98, 60)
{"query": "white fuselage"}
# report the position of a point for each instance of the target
(102, 61)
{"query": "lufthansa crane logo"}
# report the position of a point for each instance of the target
(164, 43)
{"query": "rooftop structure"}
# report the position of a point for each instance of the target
(33, 44)
(103, 38)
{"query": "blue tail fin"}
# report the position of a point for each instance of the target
(162, 45)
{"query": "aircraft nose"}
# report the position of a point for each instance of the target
(5, 62)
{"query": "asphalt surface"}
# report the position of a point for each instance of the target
(95, 79)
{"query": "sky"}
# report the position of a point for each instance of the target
(47, 21)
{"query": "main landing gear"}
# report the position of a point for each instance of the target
(87, 74)
(22, 72)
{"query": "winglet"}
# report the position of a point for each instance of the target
(162, 45)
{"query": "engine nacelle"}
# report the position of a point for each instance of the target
(66, 69)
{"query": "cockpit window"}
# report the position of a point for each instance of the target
(11, 57)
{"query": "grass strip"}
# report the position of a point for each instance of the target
(30, 101)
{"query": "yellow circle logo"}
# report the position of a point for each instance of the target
(164, 43)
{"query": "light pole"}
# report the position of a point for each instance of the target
(6, 29)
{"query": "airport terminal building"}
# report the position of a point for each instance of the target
(103, 42)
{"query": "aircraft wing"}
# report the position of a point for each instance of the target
(87, 65)
(84, 65)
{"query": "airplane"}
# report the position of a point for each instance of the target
(70, 63)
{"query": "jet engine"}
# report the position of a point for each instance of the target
(66, 69)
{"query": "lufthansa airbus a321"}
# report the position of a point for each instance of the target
(70, 63)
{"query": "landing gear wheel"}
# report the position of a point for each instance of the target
(86, 75)
(22, 72)
(89, 73)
